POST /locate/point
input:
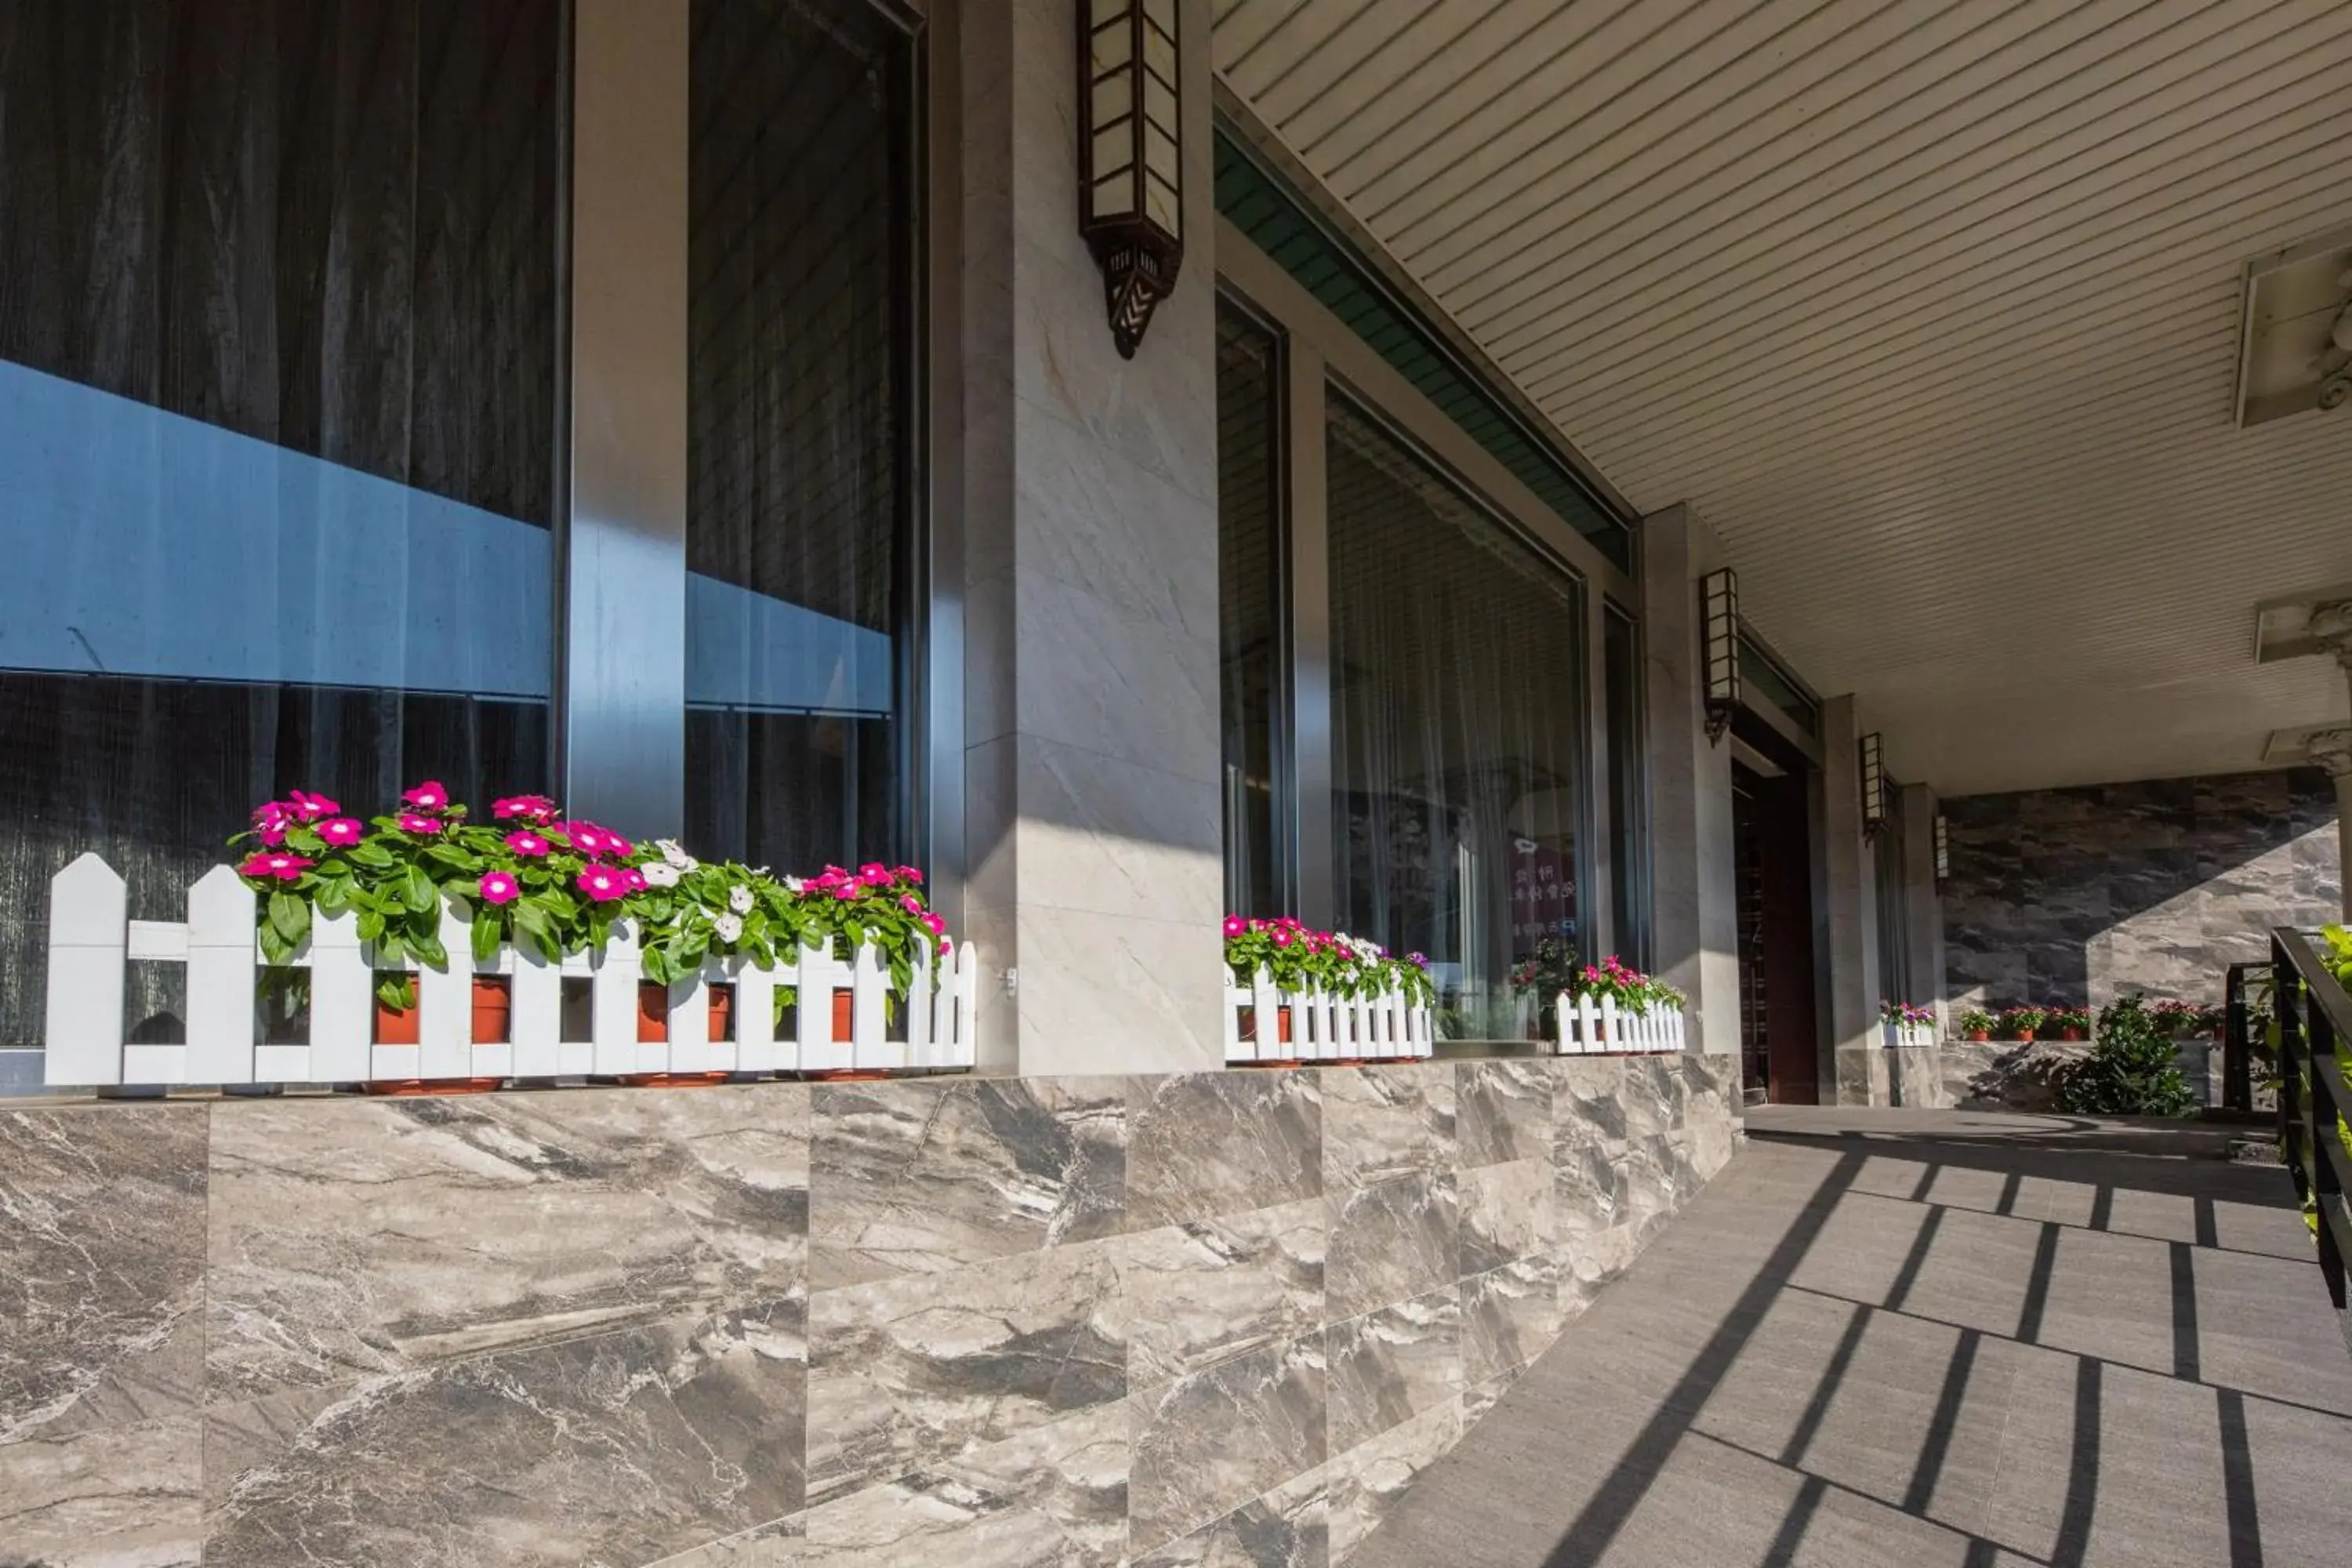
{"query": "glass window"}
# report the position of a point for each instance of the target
(1249, 490)
(1629, 848)
(1457, 697)
(279, 290)
(800, 496)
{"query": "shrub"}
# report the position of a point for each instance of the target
(2019, 1022)
(2129, 1071)
(1976, 1021)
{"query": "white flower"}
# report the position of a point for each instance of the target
(659, 874)
(671, 852)
(740, 900)
(729, 928)
(795, 885)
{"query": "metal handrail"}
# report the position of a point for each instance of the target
(2237, 1038)
(2314, 1019)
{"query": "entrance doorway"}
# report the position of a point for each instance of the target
(1778, 1023)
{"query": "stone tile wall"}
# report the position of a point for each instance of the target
(2075, 895)
(1216, 1317)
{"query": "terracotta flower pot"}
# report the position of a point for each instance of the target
(844, 1008)
(2069, 1033)
(653, 1028)
(2025, 1033)
(398, 1026)
(1980, 1034)
(493, 1006)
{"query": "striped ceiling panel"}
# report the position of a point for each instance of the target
(1930, 306)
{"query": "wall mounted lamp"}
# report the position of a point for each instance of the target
(1943, 847)
(1719, 624)
(1874, 785)
(1130, 155)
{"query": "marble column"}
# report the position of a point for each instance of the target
(2332, 750)
(1922, 904)
(1693, 897)
(1849, 889)
(1093, 818)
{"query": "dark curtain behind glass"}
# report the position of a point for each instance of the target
(1629, 848)
(278, 393)
(1248, 575)
(1894, 930)
(1456, 699)
(799, 511)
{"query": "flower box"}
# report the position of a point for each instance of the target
(1266, 1024)
(1900, 1033)
(90, 940)
(424, 947)
(1591, 1025)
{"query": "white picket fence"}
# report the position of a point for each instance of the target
(1323, 1027)
(1587, 1026)
(1900, 1034)
(91, 938)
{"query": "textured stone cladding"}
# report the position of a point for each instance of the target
(2075, 895)
(1218, 1317)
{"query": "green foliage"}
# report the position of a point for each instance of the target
(2130, 1070)
(1976, 1021)
(2019, 1022)
(2338, 956)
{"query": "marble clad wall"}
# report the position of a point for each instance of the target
(2075, 895)
(1216, 1317)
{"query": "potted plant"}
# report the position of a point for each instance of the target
(560, 885)
(1632, 991)
(1907, 1025)
(2020, 1022)
(1544, 975)
(1975, 1024)
(1297, 959)
(2070, 1023)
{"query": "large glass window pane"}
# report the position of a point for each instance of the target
(1249, 489)
(1456, 701)
(1628, 849)
(799, 506)
(278, 313)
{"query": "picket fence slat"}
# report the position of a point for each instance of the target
(1323, 1027)
(92, 941)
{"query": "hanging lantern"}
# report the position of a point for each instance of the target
(1130, 155)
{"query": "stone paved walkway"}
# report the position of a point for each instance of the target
(1918, 1338)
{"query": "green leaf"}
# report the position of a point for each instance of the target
(430, 951)
(290, 915)
(374, 856)
(529, 917)
(485, 936)
(416, 888)
(275, 947)
(397, 992)
(334, 896)
(371, 926)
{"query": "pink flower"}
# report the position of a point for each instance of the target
(603, 884)
(635, 878)
(530, 807)
(430, 796)
(527, 843)
(846, 892)
(312, 807)
(412, 822)
(1235, 925)
(911, 904)
(936, 926)
(271, 820)
(341, 831)
(1282, 938)
(284, 868)
(500, 888)
(874, 874)
(591, 840)
(909, 873)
